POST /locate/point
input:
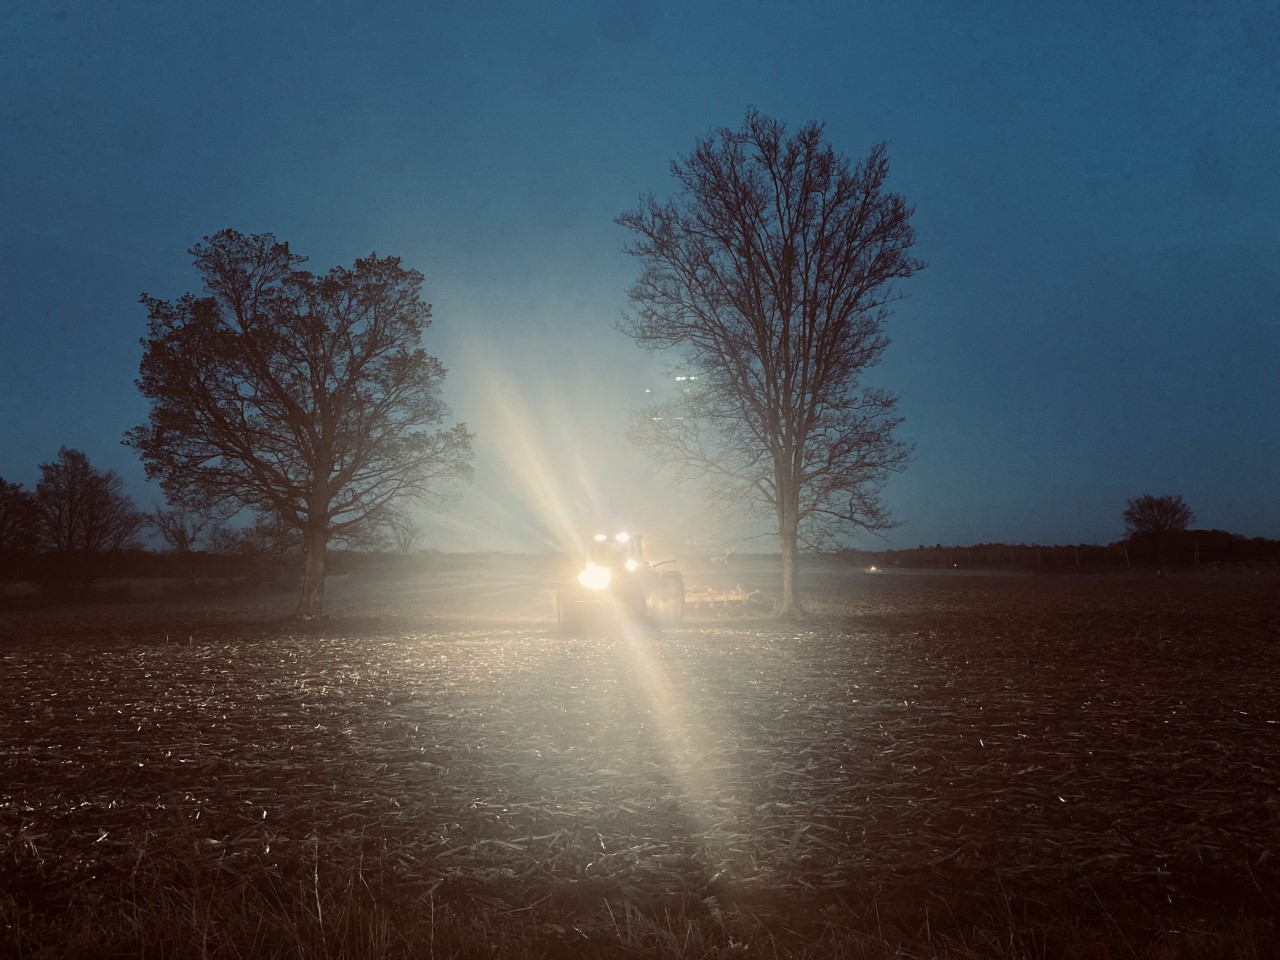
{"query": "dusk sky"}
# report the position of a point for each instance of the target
(1095, 186)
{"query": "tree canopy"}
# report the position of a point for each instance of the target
(769, 277)
(1157, 516)
(306, 398)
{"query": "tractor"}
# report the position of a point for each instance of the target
(617, 582)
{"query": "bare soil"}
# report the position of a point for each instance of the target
(951, 757)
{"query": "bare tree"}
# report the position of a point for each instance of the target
(305, 398)
(770, 278)
(1157, 521)
(182, 528)
(406, 535)
(19, 518)
(1157, 516)
(83, 514)
(261, 540)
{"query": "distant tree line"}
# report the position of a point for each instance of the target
(78, 527)
(77, 516)
(1184, 550)
(1156, 538)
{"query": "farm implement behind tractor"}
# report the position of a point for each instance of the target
(722, 602)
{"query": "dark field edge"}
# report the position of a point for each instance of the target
(1173, 855)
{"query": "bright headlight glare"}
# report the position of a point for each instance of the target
(595, 577)
(623, 537)
(631, 565)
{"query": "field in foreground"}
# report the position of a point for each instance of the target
(927, 767)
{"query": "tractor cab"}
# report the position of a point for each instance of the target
(622, 553)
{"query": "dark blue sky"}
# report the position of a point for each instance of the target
(1095, 186)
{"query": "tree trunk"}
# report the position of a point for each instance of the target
(314, 543)
(789, 606)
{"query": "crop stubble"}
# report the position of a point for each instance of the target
(920, 740)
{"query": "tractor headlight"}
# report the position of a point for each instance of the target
(595, 577)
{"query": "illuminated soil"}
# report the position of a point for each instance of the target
(919, 747)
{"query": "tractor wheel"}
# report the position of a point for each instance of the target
(670, 607)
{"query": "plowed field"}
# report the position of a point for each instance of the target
(926, 760)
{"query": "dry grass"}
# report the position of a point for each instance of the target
(928, 767)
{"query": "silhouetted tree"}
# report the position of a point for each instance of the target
(1157, 521)
(304, 398)
(770, 277)
(83, 514)
(19, 518)
(1157, 515)
(406, 535)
